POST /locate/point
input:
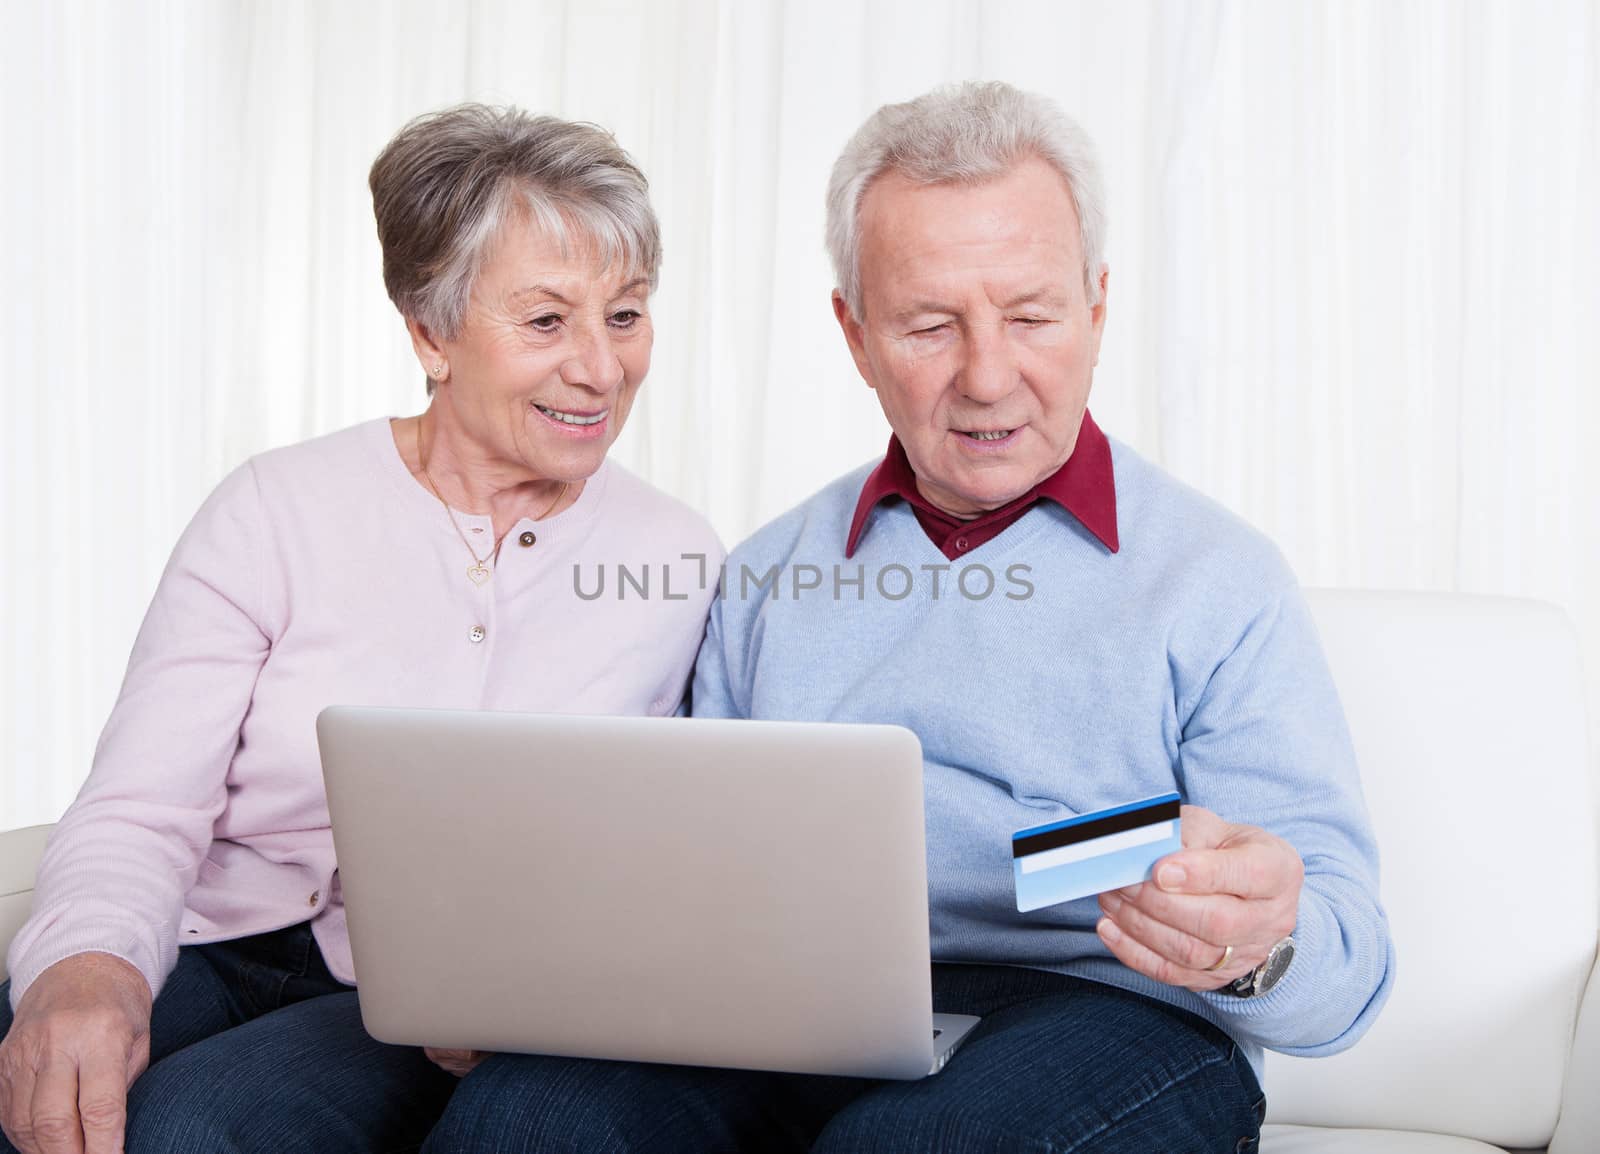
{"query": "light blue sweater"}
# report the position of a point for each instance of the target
(1186, 661)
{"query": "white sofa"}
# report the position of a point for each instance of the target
(1468, 716)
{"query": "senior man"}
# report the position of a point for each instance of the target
(1066, 628)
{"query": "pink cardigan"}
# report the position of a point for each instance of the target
(323, 574)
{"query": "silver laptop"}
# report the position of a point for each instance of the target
(748, 894)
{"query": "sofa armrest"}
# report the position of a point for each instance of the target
(1578, 1129)
(20, 850)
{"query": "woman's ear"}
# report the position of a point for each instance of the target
(430, 353)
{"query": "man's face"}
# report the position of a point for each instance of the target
(975, 329)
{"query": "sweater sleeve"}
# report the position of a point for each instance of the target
(119, 863)
(1266, 744)
(712, 693)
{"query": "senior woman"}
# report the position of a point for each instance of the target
(186, 976)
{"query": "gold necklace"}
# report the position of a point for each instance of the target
(478, 572)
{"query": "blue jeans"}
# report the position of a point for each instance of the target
(1058, 1065)
(255, 1046)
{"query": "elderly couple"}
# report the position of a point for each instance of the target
(185, 981)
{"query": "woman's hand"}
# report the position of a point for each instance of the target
(457, 1062)
(80, 1037)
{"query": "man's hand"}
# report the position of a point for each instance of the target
(80, 1037)
(457, 1062)
(1230, 885)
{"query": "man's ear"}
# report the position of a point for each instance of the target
(1097, 315)
(853, 336)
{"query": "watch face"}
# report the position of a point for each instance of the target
(1276, 965)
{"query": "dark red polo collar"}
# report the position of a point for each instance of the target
(1085, 487)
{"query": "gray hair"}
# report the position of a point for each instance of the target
(448, 182)
(962, 133)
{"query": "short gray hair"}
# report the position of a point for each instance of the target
(962, 133)
(446, 185)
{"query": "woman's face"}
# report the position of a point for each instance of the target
(550, 355)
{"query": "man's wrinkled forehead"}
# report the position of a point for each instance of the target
(910, 229)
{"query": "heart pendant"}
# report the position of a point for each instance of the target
(478, 574)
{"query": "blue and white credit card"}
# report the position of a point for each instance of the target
(1093, 852)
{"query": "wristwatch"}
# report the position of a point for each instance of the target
(1261, 979)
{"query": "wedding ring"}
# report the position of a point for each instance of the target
(1227, 956)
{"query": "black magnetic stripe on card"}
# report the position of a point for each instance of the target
(1089, 830)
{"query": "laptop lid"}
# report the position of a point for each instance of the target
(728, 893)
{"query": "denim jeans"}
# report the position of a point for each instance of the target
(255, 1046)
(1057, 1065)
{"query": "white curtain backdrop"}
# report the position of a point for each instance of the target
(1354, 258)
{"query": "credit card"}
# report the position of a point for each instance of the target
(1093, 852)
